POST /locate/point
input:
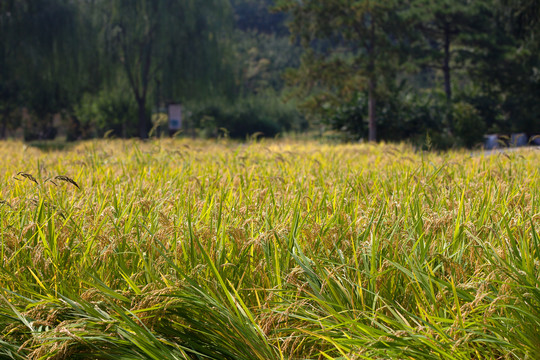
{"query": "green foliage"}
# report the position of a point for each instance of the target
(9, 115)
(475, 44)
(256, 15)
(57, 56)
(470, 126)
(508, 79)
(43, 59)
(109, 111)
(404, 115)
(262, 59)
(39, 128)
(165, 50)
(265, 115)
(447, 34)
(525, 15)
(165, 43)
(349, 117)
(351, 47)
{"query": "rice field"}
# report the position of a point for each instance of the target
(182, 249)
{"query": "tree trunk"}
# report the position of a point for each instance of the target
(371, 111)
(139, 88)
(372, 137)
(143, 131)
(4, 127)
(446, 71)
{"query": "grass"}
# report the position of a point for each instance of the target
(179, 249)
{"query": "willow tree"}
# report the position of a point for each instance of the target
(8, 79)
(351, 47)
(42, 62)
(166, 41)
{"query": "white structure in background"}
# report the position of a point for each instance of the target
(491, 142)
(496, 141)
(175, 117)
(519, 139)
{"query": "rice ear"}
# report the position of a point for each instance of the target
(67, 179)
(50, 180)
(26, 175)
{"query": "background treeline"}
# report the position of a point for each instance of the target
(447, 71)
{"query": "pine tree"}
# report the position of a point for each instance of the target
(351, 46)
(450, 31)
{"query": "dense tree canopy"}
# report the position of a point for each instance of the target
(449, 30)
(362, 49)
(448, 70)
(158, 41)
(55, 51)
(42, 58)
(479, 53)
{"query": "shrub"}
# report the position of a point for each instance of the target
(469, 125)
(109, 110)
(406, 116)
(266, 115)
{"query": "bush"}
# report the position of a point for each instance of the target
(109, 110)
(469, 125)
(39, 128)
(404, 115)
(266, 115)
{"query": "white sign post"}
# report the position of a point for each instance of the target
(175, 117)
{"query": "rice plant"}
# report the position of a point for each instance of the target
(184, 249)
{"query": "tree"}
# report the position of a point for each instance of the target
(351, 46)
(146, 37)
(261, 59)
(507, 68)
(526, 15)
(449, 29)
(8, 82)
(255, 15)
(42, 60)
